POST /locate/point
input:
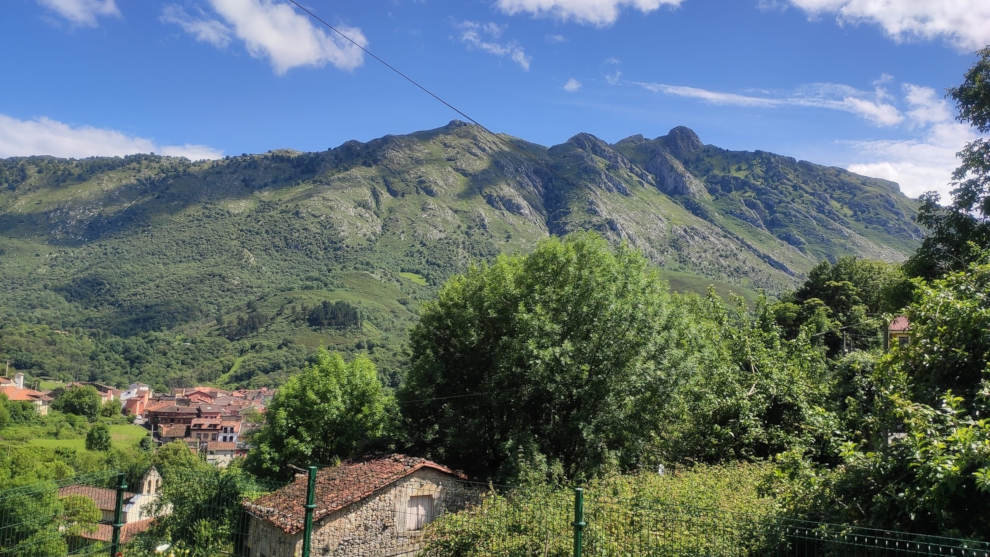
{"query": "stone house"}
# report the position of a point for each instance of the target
(137, 509)
(374, 506)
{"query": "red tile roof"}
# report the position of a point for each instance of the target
(337, 488)
(900, 323)
(105, 498)
(221, 446)
(13, 393)
(172, 430)
(104, 532)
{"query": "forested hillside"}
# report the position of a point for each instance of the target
(233, 271)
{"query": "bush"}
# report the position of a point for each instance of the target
(98, 438)
(700, 511)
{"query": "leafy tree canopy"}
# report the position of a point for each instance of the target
(333, 409)
(82, 401)
(562, 356)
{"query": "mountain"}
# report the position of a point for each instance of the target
(174, 271)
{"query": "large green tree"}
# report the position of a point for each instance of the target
(914, 441)
(956, 232)
(82, 401)
(561, 357)
(333, 409)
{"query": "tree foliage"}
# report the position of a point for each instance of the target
(913, 442)
(561, 357)
(82, 401)
(755, 397)
(332, 410)
(98, 438)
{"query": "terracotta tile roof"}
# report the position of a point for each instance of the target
(337, 488)
(172, 430)
(104, 532)
(171, 407)
(206, 423)
(13, 393)
(105, 498)
(221, 446)
(900, 323)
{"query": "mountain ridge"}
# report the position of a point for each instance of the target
(132, 245)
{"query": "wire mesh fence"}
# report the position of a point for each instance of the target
(799, 538)
(207, 511)
(62, 517)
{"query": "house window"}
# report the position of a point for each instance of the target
(419, 511)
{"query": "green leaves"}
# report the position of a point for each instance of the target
(331, 410)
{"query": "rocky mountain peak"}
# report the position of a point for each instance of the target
(682, 141)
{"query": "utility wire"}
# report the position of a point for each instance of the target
(390, 66)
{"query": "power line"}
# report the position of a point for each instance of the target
(390, 66)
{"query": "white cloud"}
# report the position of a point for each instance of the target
(919, 164)
(963, 23)
(288, 39)
(593, 12)
(82, 12)
(714, 97)
(572, 85)
(556, 39)
(44, 136)
(484, 37)
(832, 96)
(926, 106)
(613, 78)
(204, 29)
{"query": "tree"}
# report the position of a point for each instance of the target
(98, 438)
(914, 442)
(111, 409)
(332, 410)
(853, 293)
(958, 231)
(756, 396)
(82, 401)
(561, 357)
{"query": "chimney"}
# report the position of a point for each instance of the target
(19, 380)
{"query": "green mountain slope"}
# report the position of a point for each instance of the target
(172, 271)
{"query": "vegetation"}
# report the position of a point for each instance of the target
(82, 401)
(703, 511)
(332, 410)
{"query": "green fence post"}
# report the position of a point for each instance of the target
(118, 515)
(579, 522)
(310, 505)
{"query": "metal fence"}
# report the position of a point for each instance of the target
(58, 517)
(213, 512)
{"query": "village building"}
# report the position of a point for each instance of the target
(898, 332)
(375, 506)
(221, 454)
(15, 391)
(137, 510)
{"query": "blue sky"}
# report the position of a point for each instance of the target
(855, 83)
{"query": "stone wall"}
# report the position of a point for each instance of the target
(267, 540)
(377, 525)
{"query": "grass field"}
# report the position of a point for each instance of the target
(123, 435)
(49, 385)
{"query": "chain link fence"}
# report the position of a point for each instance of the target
(227, 512)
